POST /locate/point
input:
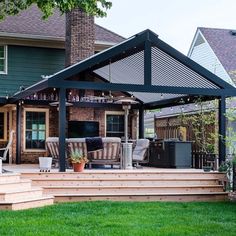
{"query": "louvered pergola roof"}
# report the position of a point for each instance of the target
(143, 65)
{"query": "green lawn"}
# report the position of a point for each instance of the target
(122, 218)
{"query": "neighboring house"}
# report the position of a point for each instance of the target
(30, 48)
(215, 49)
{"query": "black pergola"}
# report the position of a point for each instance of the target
(143, 65)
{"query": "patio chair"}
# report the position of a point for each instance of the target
(5, 151)
(52, 146)
(140, 152)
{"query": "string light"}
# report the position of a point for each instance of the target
(162, 96)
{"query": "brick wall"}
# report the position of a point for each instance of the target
(73, 113)
(80, 36)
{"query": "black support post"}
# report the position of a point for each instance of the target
(148, 63)
(222, 129)
(62, 130)
(18, 132)
(141, 122)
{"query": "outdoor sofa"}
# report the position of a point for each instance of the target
(108, 155)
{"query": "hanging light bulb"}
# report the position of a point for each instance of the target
(162, 96)
(171, 108)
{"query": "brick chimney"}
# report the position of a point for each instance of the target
(80, 36)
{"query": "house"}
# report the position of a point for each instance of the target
(143, 65)
(31, 48)
(215, 49)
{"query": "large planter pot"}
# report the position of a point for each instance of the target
(78, 167)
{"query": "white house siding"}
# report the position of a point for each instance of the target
(203, 55)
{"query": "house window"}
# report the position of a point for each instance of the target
(36, 129)
(115, 125)
(3, 59)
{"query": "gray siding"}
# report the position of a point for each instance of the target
(27, 64)
(203, 55)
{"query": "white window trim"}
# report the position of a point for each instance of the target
(24, 127)
(5, 60)
(112, 113)
(5, 124)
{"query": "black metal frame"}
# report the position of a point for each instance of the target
(142, 41)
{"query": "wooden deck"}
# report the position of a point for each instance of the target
(147, 184)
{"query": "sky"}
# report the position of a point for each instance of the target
(175, 21)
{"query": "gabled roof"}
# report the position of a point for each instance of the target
(223, 43)
(144, 65)
(29, 22)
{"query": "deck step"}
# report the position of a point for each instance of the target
(11, 195)
(28, 203)
(130, 189)
(125, 174)
(184, 197)
(22, 184)
(137, 185)
(9, 177)
(122, 181)
(17, 193)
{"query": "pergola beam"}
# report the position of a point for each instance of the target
(69, 84)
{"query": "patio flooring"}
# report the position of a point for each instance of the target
(23, 168)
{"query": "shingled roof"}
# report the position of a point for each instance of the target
(29, 22)
(223, 43)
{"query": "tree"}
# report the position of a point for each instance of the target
(199, 123)
(92, 7)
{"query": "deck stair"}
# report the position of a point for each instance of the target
(18, 194)
(136, 185)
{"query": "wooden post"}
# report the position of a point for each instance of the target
(62, 130)
(18, 133)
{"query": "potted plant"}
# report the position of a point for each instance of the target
(78, 160)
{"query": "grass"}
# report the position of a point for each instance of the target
(122, 218)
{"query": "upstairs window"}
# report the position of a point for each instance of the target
(3, 59)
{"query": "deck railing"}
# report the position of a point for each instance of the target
(201, 159)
